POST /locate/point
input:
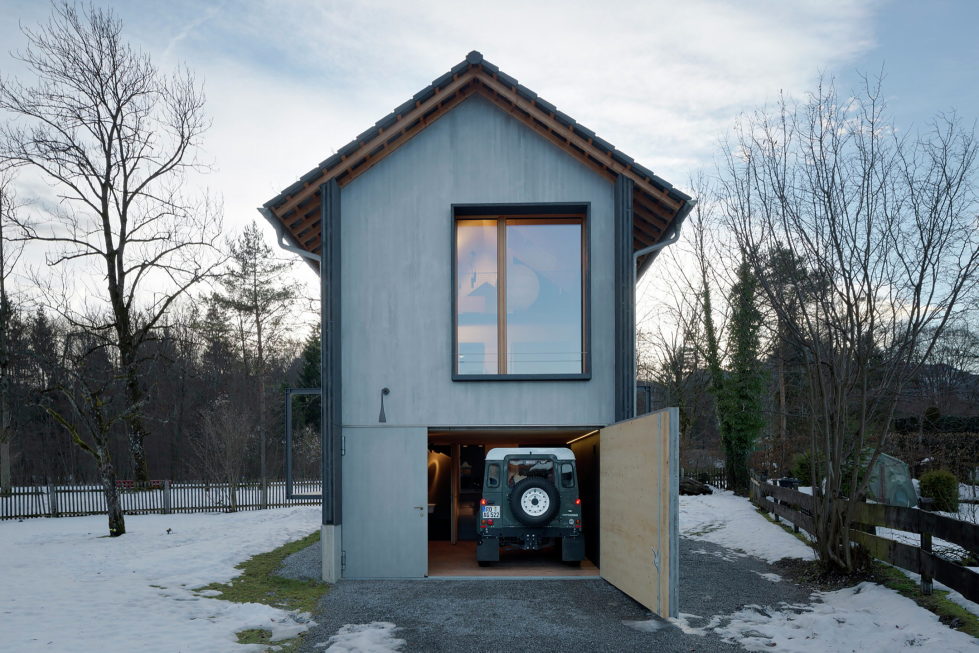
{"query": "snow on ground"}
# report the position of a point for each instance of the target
(66, 586)
(375, 637)
(731, 521)
(867, 617)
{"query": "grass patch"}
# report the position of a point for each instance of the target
(788, 529)
(254, 636)
(258, 583)
(948, 612)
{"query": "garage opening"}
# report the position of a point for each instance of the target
(456, 459)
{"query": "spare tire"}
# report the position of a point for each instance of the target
(534, 501)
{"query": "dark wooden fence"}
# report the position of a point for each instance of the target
(715, 477)
(799, 509)
(153, 497)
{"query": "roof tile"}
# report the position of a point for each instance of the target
(405, 107)
(424, 94)
(506, 79)
(564, 118)
(329, 162)
(387, 121)
(622, 157)
(526, 93)
(368, 134)
(349, 148)
(439, 82)
(602, 143)
(545, 105)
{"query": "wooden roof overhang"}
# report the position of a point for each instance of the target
(657, 206)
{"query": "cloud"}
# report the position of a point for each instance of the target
(290, 82)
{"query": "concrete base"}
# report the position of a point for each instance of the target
(330, 541)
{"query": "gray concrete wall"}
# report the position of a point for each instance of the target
(396, 276)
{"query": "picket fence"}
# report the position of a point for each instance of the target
(151, 497)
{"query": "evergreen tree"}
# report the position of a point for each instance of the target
(738, 391)
(744, 385)
(258, 293)
(309, 377)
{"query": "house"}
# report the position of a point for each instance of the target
(478, 251)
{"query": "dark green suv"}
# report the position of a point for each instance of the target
(530, 500)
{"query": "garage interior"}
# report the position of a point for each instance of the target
(455, 474)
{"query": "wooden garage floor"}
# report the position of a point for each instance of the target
(447, 559)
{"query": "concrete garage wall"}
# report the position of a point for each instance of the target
(396, 237)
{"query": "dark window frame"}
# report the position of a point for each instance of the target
(580, 210)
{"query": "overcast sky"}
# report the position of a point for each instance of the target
(288, 83)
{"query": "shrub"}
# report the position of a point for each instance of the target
(942, 486)
(800, 468)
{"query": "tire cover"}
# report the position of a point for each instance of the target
(540, 485)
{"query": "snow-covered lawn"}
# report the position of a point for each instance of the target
(731, 521)
(867, 617)
(64, 586)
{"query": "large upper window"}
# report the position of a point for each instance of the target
(519, 278)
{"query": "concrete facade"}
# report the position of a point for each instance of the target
(396, 235)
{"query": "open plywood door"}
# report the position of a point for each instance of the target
(639, 532)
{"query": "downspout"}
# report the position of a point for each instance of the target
(653, 249)
(282, 239)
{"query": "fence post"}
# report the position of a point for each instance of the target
(166, 497)
(926, 581)
(52, 500)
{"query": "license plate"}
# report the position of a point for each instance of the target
(491, 512)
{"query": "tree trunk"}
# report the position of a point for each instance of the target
(6, 486)
(232, 496)
(782, 445)
(736, 463)
(261, 409)
(137, 431)
(107, 476)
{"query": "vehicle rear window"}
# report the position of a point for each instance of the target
(520, 468)
(493, 475)
(567, 475)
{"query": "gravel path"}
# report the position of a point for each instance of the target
(303, 565)
(548, 615)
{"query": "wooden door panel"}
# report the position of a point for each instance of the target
(639, 507)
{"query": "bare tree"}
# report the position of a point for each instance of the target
(949, 368)
(885, 227)
(227, 432)
(94, 411)
(671, 350)
(9, 255)
(114, 137)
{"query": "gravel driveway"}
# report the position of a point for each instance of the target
(550, 615)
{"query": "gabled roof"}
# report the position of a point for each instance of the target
(656, 203)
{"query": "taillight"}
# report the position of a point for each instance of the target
(482, 502)
(489, 522)
(577, 502)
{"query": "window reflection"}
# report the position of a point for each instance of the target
(537, 265)
(476, 296)
(543, 297)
